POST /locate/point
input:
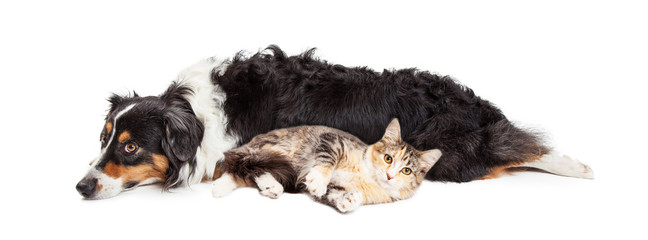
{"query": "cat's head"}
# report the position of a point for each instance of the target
(399, 167)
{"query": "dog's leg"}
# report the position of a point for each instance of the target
(224, 185)
(561, 165)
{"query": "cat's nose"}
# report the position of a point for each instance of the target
(389, 177)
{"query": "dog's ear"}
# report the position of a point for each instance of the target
(183, 133)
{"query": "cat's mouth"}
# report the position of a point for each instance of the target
(383, 179)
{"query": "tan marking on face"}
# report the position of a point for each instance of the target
(139, 173)
(124, 136)
(108, 127)
(161, 163)
(99, 187)
(113, 170)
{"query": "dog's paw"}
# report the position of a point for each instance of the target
(223, 186)
(349, 201)
(316, 183)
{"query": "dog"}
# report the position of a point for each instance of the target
(178, 138)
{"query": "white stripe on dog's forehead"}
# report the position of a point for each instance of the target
(114, 128)
(123, 111)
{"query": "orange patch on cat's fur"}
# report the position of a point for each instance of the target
(325, 171)
(400, 153)
(371, 192)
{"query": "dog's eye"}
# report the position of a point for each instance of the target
(131, 147)
(102, 138)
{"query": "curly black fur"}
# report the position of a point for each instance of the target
(271, 90)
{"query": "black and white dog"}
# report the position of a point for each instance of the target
(215, 105)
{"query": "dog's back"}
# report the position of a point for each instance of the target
(271, 91)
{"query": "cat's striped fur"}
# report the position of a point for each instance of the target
(333, 166)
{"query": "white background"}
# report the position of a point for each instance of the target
(576, 70)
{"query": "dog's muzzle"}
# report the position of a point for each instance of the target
(87, 187)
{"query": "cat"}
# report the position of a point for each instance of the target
(333, 166)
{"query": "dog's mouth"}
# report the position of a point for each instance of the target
(130, 185)
(92, 189)
(99, 186)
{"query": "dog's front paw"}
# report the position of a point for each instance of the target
(223, 186)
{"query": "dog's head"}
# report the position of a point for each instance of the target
(144, 140)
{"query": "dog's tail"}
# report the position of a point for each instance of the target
(561, 165)
(246, 165)
(525, 148)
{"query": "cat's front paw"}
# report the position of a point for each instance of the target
(316, 183)
(349, 201)
(272, 191)
(268, 186)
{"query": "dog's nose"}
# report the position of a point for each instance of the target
(87, 187)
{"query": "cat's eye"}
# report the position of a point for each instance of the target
(388, 159)
(406, 171)
(131, 147)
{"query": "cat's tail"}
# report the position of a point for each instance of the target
(246, 166)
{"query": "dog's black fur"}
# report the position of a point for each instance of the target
(270, 91)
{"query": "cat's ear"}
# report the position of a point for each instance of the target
(429, 158)
(393, 131)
